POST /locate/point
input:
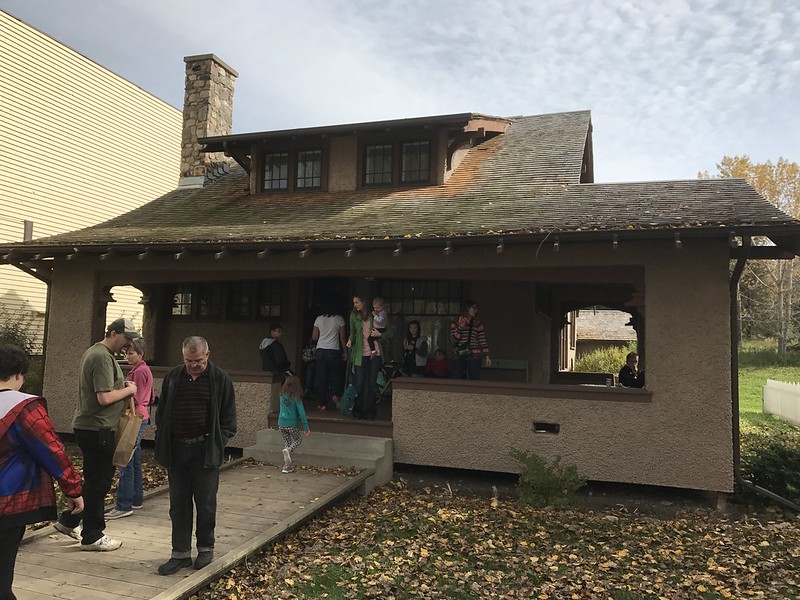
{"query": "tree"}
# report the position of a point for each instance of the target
(766, 289)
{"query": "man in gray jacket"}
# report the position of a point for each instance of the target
(195, 418)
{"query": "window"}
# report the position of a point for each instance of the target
(182, 301)
(415, 167)
(209, 296)
(309, 169)
(241, 299)
(293, 169)
(392, 162)
(276, 171)
(378, 165)
(236, 300)
(270, 299)
(422, 298)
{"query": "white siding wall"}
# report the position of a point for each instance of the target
(78, 146)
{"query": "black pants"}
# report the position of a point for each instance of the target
(329, 374)
(189, 480)
(10, 537)
(366, 382)
(97, 448)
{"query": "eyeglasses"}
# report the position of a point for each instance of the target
(194, 363)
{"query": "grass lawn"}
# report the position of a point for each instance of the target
(752, 379)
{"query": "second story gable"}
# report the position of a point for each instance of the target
(400, 153)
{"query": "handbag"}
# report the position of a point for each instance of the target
(348, 400)
(127, 434)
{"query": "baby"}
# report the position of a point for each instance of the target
(379, 320)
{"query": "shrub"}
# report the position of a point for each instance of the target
(545, 484)
(770, 455)
(19, 328)
(604, 360)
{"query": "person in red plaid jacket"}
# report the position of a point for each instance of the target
(30, 455)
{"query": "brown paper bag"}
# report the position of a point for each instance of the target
(126, 435)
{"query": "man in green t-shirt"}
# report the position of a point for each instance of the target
(102, 390)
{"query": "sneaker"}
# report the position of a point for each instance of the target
(116, 513)
(137, 506)
(74, 533)
(173, 565)
(104, 544)
(203, 559)
(287, 457)
(287, 469)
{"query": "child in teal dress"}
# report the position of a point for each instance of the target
(292, 409)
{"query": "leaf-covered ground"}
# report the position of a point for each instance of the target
(405, 543)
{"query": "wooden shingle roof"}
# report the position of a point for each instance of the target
(526, 181)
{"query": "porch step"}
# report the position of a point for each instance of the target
(331, 422)
(331, 450)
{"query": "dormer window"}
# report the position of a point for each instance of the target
(416, 164)
(276, 171)
(309, 169)
(392, 162)
(293, 170)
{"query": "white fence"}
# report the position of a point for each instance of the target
(783, 400)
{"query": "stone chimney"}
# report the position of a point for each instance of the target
(207, 111)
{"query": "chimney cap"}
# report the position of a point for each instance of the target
(212, 57)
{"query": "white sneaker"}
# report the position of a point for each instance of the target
(115, 513)
(75, 533)
(104, 544)
(287, 457)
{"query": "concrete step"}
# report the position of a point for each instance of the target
(331, 450)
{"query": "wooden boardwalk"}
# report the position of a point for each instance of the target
(256, 504)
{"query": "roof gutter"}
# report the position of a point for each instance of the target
(737, 468)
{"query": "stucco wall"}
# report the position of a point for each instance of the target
(681, 437)
(342, 163)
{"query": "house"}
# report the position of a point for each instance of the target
(598, 328)
(427, 212)
(79, 145)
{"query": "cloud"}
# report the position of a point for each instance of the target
(673, 85)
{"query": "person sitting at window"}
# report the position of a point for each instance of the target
(438, 365)
(630, 375)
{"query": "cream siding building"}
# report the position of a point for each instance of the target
(79, 145)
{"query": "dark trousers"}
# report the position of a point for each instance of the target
(188, 481)
(329, 376)
(366, 383)
(97, 448)
(469, 366)
(11, 537)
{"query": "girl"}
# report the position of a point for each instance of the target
(131, 490)
(415, 349)
(291, 409)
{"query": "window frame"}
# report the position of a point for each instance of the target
(293, 152)
(397, 143)
(227, 297)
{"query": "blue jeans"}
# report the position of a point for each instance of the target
(190, 481)
(366, 383)
(329, 375)
(470, 366)
(130, 492)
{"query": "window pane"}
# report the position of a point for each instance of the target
(240, 300)
(270, 299)
(210, 300)
(182, 301)
(276, 171)
(309, 169)
(378, 164)
(415, 165)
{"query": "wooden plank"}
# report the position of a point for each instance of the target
(51, 565)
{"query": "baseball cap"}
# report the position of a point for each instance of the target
(125, 327)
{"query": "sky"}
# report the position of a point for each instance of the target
(673, 85)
